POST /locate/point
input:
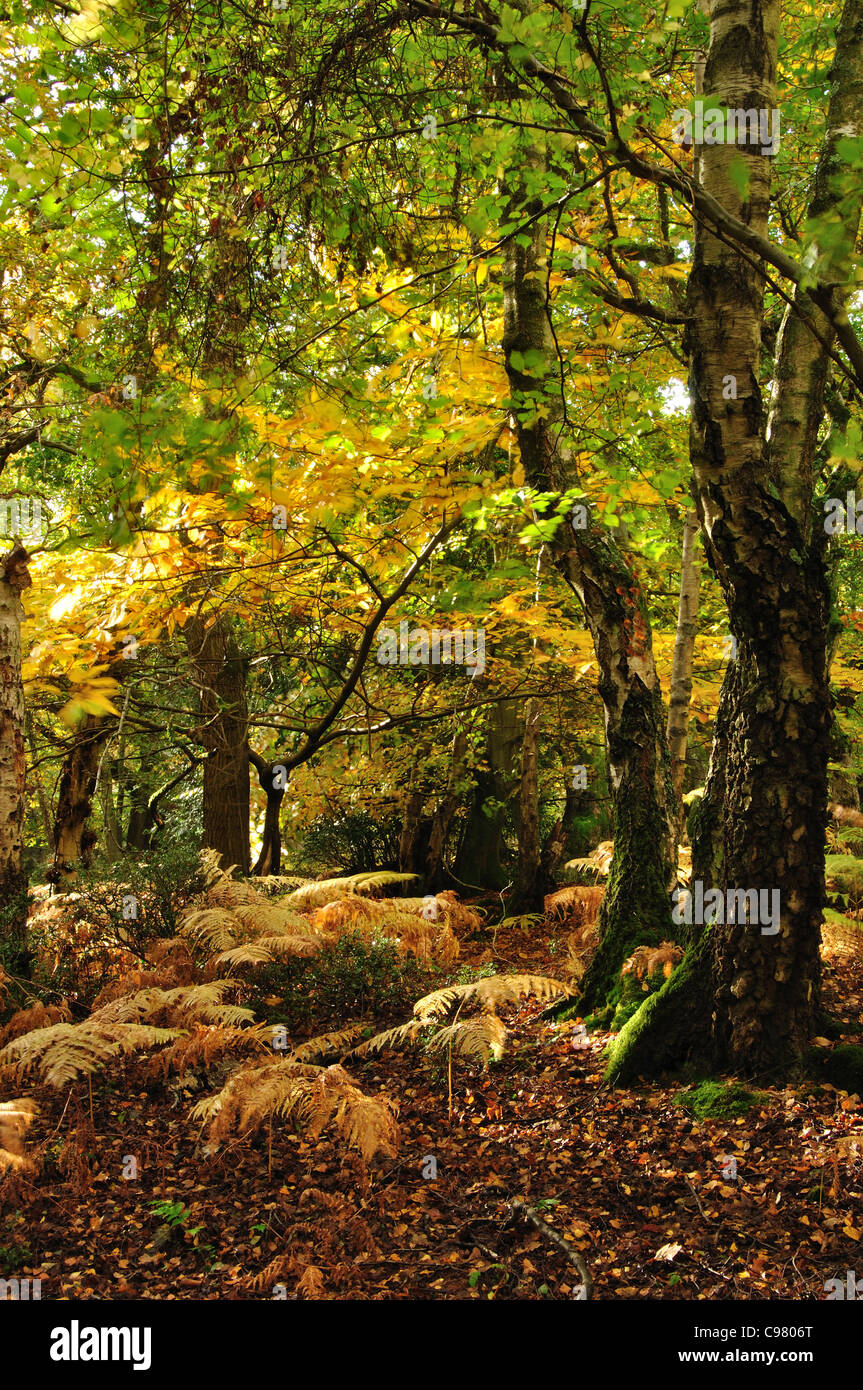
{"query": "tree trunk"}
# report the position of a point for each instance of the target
(761, 823)
(681, 666)
(273, 780)
(636, 906)
(435, 872)
(220, 676)
(481, 858)
(530, 887)
(74, 841)
(14, 577)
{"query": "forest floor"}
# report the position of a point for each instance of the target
(644, 1191)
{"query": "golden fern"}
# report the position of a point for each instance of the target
(269, 919)
(267, 948)
(212, 927)
(316, 894)
(489, 993)
(38, 1016)
(325, 1044)
(203, 1003)
(64, 1052)
(477, 1038)
(598, 862)
(229, 892)
(207, 1043)
(328, 890)
(16, 1117)
(408, 1032)
(310, 1097)
(378, 878)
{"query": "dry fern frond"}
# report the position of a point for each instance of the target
(456, 913)
(645, 960)
(371, 881)
(311, 1284)
(480, 1038)
(580, 904)
(598, 862)
(317, 894)
(326, 1044)
(368, 1123)
(5, 985)
(329, 890)
(213, 927)
(203, 1003)
(310, 1097)
(348, 911)
(841, 933)
(38, 1016)
(393, 1037)
(62, 1053)
(207, 1043)
(267, 948)
(228, 892)
(269, 919)
(16, 1116)
(489, 993)
(136, 980)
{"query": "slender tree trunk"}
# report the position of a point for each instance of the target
(435, 872)
(220, 677)
(273, 780)
(14, 577)
(44, 808)
(530, 887)
(681, 666)
(636, 906)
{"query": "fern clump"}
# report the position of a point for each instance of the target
(306, 1096)
(481, 1038)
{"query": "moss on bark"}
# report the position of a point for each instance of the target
(672, 1028)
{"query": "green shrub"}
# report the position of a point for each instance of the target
(356, 978)
(355, 843)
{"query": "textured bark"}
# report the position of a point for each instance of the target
(14, 577)
(74, 841)
(220, 677)
(530, 888)
(636, 906)
(413, 840)
(482, 854)
(274, 783)
(684, 646)
(761, 823)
